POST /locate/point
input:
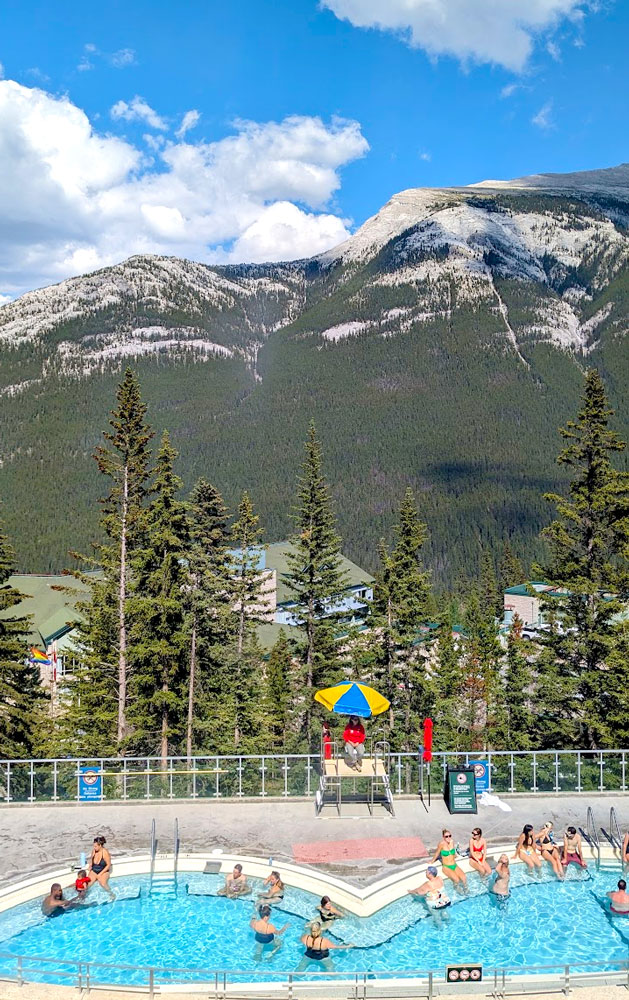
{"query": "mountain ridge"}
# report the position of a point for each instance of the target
(441, 346)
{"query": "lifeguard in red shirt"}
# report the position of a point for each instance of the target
(354, 737)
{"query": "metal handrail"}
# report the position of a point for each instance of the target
(153, 853)
(614, 829)
(86, 976)
(176, 849)
(592, 834)
(293, 775)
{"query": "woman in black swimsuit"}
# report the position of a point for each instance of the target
(549, 849)
(100, 865)
(265, 934)
(328, 912)
(318, 949)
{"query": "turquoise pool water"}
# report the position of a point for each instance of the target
(543, 923)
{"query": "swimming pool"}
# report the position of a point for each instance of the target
(543, 923)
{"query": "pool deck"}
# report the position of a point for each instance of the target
(39, 837)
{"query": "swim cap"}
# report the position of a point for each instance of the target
(431, 870)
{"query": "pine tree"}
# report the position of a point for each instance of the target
(210, 605)
(510, 570)
(244, 659)
(21, 694)
(615, 731)
(481, 665)
(448, 681)
(315, 577)
(556, 688)
(279, 691)
(401, 603)
(589, 545)
(159, 621)
(491, 595)
(518, 683)
(125, 461)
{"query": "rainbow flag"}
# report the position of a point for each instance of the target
(38, 657)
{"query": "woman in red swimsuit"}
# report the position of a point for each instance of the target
(478, 853)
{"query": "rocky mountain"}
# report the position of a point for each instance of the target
(441, 345)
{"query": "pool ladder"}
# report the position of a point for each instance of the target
(164, 884)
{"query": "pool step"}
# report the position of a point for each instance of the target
(163, 885)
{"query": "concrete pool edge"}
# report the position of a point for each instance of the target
(361, 901)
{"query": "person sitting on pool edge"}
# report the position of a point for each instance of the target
(235, 884)
(478, 852)
(619, 899)
(265, 934)
(55, 903)
(354, 738)
(100, 865)
(318, 949)
(446, 852)
(572, 850)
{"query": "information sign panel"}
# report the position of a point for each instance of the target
(90, 784)
(481, 775)
(460, 790)
(464, 973)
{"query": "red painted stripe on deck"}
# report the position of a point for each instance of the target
(319, 851)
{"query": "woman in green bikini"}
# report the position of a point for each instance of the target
(446, 853)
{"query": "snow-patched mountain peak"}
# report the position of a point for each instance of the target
(608, 179)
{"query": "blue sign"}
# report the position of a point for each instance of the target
(481, 775)
(90, 784)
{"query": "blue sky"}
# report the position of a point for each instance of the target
(345, 103)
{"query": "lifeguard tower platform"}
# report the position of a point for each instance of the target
(338, 781)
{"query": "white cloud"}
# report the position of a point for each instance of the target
(509, 90)
(427, 157)
(73, 200)
(544, 117)
(4, 299)
(495, 31)
(138, 111)
(189, 120)
(85, 65)
(122, 58)
(553, 51)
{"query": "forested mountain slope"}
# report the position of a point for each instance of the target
(440, 346)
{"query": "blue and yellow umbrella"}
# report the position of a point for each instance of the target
(352, 699)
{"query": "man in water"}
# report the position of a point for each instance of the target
(500, 887)
(235, 884)
(619, 899)
(55, 903)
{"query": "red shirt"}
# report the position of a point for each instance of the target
(81, 883)
(354, 734)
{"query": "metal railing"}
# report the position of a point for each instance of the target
(175, 849)
(614, 829)
(591, 835)
(354, 985)
(297, 775)
(153, 853)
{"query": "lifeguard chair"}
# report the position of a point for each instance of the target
(373, 777)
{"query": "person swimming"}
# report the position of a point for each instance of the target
(328, 912)
(318, 948)
(619, 899)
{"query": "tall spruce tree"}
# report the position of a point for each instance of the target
(125, 461)
(491, 595)
(518, 695)
(448, 681)
(510, 569)
(315, 576)
(210, 608)
(279, 693)
(401, 604)
(589, 547)
(482, 693)
(159, 620)
(244, 656)
(21, 694)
